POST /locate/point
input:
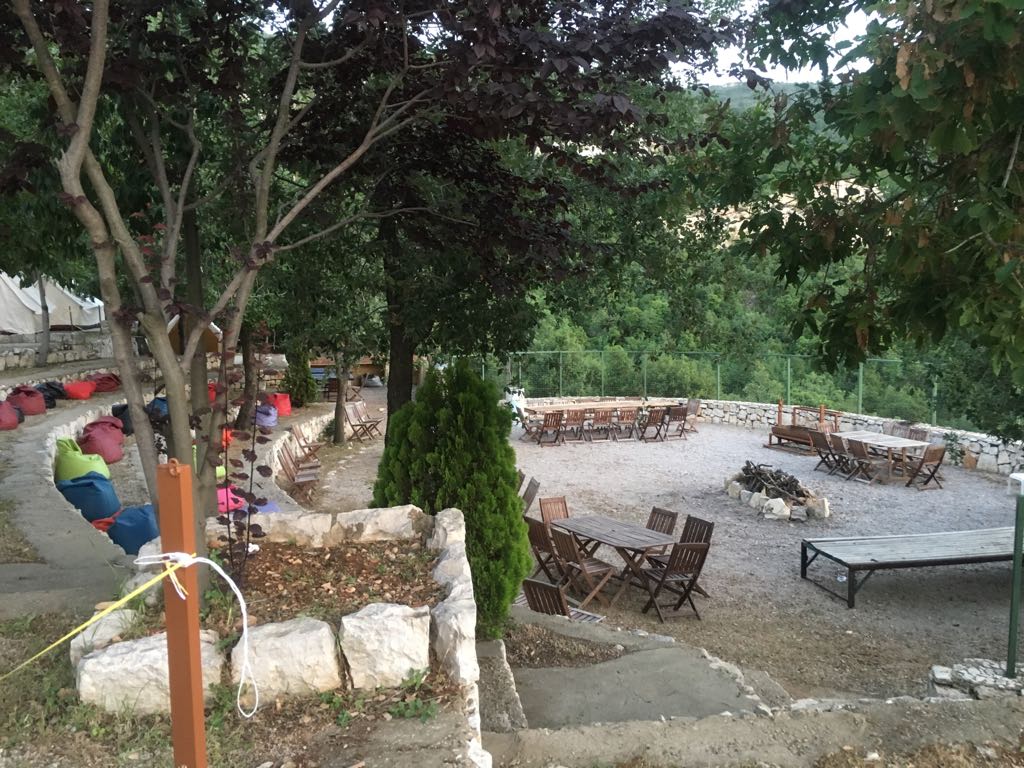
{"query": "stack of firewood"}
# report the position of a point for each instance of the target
(774, 483)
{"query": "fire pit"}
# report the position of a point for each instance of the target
(775, 494)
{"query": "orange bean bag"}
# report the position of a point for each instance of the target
(80, 390)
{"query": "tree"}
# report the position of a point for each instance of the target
(450, 448)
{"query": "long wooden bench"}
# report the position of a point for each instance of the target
(867, 554)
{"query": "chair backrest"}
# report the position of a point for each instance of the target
(553, 508)
(553, 420)
(696, 531)
(574, 418)
(662, 520)
(900, 430)
(858, 450)
(522, 476)
(602, 417)
(655, 416)
(540, 536)
(361, 410)
(545, 598)
(837, 444)
(677, 413)
(687, 558)
(918, 433)
(566, 549)
(351, 414)
(627, 415)
(287, 464)
(693, 406)
(530, 494)
(820, 441)
(934, 454)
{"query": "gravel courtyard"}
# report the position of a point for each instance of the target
(761, 614)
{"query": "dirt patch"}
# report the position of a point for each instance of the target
(14, 548)
(530, 646)
(933, 756)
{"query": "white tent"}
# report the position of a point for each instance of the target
(21, 313)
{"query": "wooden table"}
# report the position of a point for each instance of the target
(633, 542)
(888, 443)
(596, 405)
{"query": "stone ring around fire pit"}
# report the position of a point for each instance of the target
(775, 494)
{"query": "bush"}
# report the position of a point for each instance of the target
(449, 448)
(298, 379)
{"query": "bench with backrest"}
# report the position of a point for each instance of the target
(867, 554)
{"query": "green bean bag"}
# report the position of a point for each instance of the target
(221, 470)
(71, 463)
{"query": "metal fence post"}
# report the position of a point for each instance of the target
(602, 373)
(560, 373)
(935, 401)
(789, 378)
(860, 387)
(643, 365)
(1015, 589)
(718, 378)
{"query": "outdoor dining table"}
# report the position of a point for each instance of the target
(633, 542)
(888, 443)
(595, 405)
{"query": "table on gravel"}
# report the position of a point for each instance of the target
(918, 550)
(887, 443)
(600, 405)
(633, 542)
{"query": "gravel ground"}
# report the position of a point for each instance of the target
(761, 614)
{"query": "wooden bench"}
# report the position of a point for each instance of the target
(867, 554)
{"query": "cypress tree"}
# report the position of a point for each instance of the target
(449, 448)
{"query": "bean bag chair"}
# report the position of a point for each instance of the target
(265, 416)
(121, 413)
(228, 501)
(8, 416)
(131, 528)
(29, 399)
(106, 422)
(105, 382)
(103, 440)
(158, 410)
(92, 494)
(55, 388)
(211, 391)
(220, 471)
(226, 438)
(80, 390)
(48, 398)
(282, 401)
(70, 462)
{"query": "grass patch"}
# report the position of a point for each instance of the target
(14, 548)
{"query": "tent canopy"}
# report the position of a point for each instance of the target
(21, 312)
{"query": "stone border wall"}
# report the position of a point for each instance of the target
(65, 347)
(40, 376)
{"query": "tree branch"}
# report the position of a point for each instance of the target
(1013, 160)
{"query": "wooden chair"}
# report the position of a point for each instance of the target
(372, 422)
(655, 420)
(926, 468)
(679, 577)
(550, 599)
(359, 429)
(574, 421)
(695, 531)
(692, 412)
(307, 448)
(530, 424)
(522, 476)
(624, 426)
(300, 463)
(600, 425)
(587, 574)
(676, 416)
(302, 481)
(543, 551)
(530, 494)
(662, 520)
(826, 456)
(864, 466)
(552, 425)
(553, 508)
(918, 433)
(844, 461)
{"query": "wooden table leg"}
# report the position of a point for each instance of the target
(634, 561)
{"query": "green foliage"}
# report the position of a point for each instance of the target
(298, 379)
(954, 451)
(449, 448)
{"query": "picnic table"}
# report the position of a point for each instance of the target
(633, 542)
(592, 405)
(891, 444)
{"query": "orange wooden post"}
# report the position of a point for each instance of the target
(177, 534)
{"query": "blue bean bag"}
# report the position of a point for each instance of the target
(134, 527)
(92, 494)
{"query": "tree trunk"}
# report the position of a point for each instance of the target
(400, 368)
(252, 383)
(43, 352)
(339, 437)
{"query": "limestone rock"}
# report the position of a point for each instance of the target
(102, 633)
(987, 463)
(817, 508)
(734, 489)
(453, 638)
(453, 566)
(745, 497)
(384, 642)
(290, 658)
(757, 500)
(387, 524)
(775, 509)
(132, 676)
(449, 528)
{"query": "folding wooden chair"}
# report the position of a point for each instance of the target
(573, 426)
(662, 520)
(552, 425)
(307, 448)
(695, 531)
(679, 577)
(302, 481)
(864, 466)
(655, 420)
(821, 444)
(530, 424)
(553, 508)
(676, 416)
(550, 599)
(624, 426)
(844, 461)
(301, 464)
(600, 425)
(372, 422)
(530, 494)
(692, 412)
(587, 574)
(522, 477)
(927, 468)
(918, 433)
(543, 551)
(359, 429)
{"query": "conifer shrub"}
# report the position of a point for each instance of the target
(449, 448)
(298, 378)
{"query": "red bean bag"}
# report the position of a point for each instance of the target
(80, 390)
(111, 421)
(102, 427)
(8, 416)
(29, 399)
(104, 441)
(282, 401)
(211, 391)
(105, 382)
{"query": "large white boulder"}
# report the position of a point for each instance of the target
(757, 500)
(817, 507)
(102, 633)
(290, 658)
(132, 676)
(385, 524)
(775, 509)
(307, 529)
(449, 528)
(453, 637)
(384, 642)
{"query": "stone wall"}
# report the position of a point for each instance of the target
(65, 347)
(145, 365)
